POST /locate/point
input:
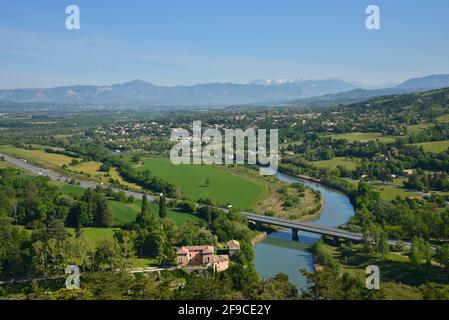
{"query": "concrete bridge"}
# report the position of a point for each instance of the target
(301, 226)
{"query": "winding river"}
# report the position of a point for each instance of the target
(278, 253)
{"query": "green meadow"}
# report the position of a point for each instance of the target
(125, 212)
(336, 161)
(389, 193)
(94, 234)
(434, 146)
(364, 136)
(223, 186)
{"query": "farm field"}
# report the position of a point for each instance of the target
(434, 146)
(336, 161)
(364, 136)
(91, 169)
(225, 187)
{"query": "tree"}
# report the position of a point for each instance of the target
(106, 167)
(121, 196)
(420, 252)
(442, 255)
(145, 206)
(162, 207)
(80, 214)
(130, 199)
(78, 231)
(56, 230)
(145, 219)
(276, 288)
(187, 206)
(207, 182)
(103, 215)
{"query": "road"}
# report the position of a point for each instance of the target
(59, 177)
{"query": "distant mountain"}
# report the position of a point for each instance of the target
(143, 93)
(357, 95)
(311, 88)
(348, 97)
(428, 82)
(139, 93)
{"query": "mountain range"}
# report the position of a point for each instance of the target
(356, 95)
(142, 93)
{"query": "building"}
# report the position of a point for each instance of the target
(220, 262)
(202, 256)
(233, 247)
(408, 172)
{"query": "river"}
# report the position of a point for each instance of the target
(278, 253)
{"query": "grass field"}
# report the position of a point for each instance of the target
(39, 157)
(363, 136)
(91, 168)
(434, 146)
(224, 186)
(443, 118)
(125, 213)
(4, 165)
(69, 189)
(337, 161)
(94, 234)
(389, 193)
(416, 128)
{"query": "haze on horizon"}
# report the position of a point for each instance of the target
(183, 43)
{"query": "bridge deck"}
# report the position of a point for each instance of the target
(308, 227)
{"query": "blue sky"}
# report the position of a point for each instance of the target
(171, 42)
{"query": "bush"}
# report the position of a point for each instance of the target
(187, 206)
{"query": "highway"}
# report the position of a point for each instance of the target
(59, 177)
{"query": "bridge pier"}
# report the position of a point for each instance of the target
(295, 234)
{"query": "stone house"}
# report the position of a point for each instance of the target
(202, 256)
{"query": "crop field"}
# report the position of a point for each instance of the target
(364, 136)
(39, 157)
(223, 186)
(434, 146)
(337, 161)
